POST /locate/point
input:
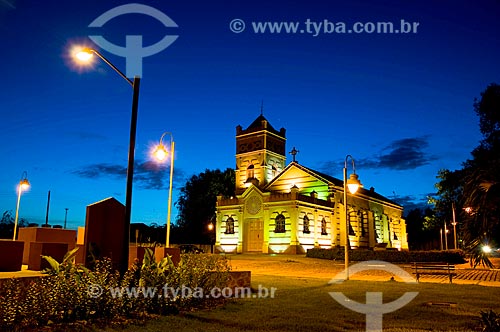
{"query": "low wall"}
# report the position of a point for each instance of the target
(239, 279)
(11, 255)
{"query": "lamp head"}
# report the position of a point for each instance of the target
(210, 226)
(160, 153)
(84, 54)
(24, 184)
(353, 183)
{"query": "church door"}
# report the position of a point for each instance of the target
(254, 234)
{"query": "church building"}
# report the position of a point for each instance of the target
(281, 208)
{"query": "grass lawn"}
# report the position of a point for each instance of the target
(303, 304)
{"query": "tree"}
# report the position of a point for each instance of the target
(197, 201)
(7, 225)
(449, 195)
(481, 192)
(474, 188)
(420, 235)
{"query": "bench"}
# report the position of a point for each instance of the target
(425, 268)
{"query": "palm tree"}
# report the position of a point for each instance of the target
(481, 215)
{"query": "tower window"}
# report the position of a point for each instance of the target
(274, 171)
(305, 225)
(250, 172)
(280, 224)
(229, 226)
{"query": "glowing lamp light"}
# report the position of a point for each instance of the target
(486, 249)
(353, 183)
(83, 55)
(210, 226)
(24, 184)
(160, 152)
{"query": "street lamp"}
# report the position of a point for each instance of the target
(446, 231)
(85, 55)
(353, 185)
(160, 153)
(23, 185)
(211, 230)
(454, 223)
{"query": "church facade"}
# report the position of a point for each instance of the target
(281, 208)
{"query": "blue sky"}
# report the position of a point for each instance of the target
(401, 104)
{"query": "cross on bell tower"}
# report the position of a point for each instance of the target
(294, 153)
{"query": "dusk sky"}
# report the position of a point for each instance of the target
(399, 103)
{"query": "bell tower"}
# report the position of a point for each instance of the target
(260, 154)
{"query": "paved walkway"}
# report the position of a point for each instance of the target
(301, 267)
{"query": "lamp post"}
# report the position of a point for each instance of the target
(211, 229)
(85, 55)
(445, 236)
(160, 154)
(65, 217)
(23, 184)
(353, 184)
(454, 223)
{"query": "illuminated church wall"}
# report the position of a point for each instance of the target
(289, 209)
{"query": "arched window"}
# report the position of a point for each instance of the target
(323, 227)
(250, 172)
(363, 222)
(376, 226)
(280, 224)
(229, 226)
(305, 225)
(350, 218)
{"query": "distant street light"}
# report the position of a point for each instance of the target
(446, 231)
(23, 185)
(160, 153)
(85, 55)
(353, 184)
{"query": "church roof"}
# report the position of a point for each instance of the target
(261, 123)
(332, 181)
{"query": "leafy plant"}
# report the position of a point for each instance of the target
(490, 321)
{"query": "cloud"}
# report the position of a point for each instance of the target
(147, 175)
(402, 154)
(410, 202)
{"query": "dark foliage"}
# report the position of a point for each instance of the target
(196, 203)
(392, 256)
(475, 188)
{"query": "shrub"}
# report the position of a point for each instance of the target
(394, 256)
(72, 293)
